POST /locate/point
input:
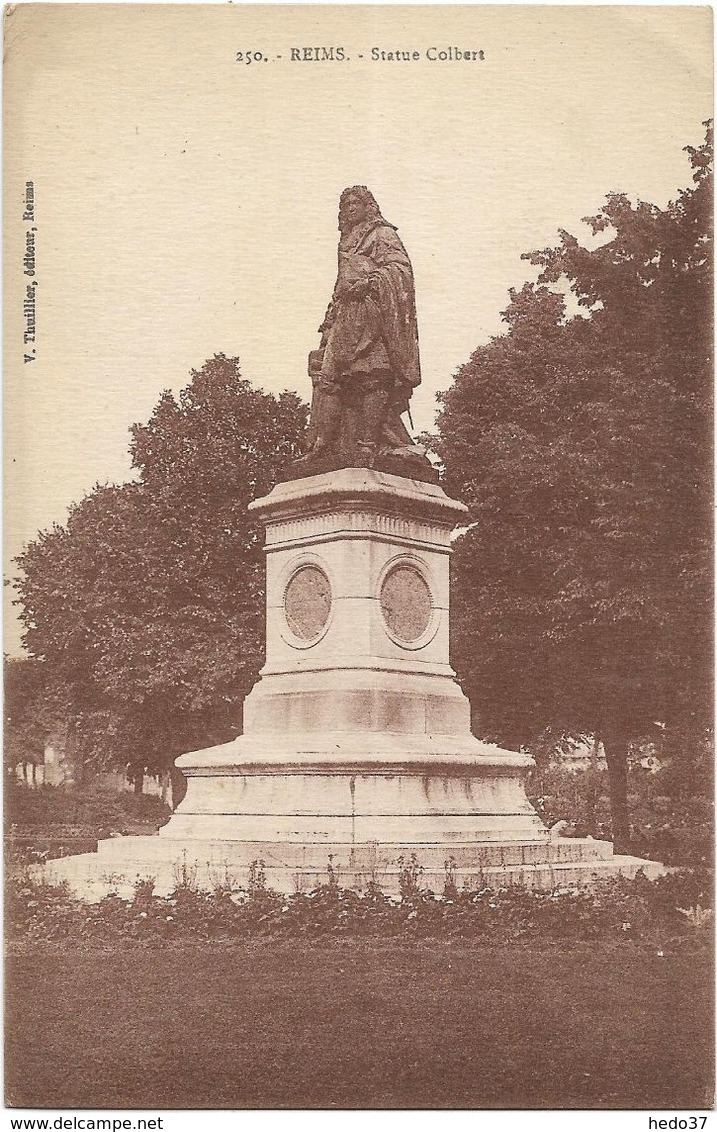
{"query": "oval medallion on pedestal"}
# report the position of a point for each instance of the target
(406, 603)
(307, 602)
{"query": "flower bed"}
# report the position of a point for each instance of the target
(666, 826)
(668, 912)
(56, 821)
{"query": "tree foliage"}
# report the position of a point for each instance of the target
(28, 715)
(147, 607)
(582, 589)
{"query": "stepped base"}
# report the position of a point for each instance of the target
(290, 867)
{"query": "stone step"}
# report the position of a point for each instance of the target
(316, 855)
(564, 863)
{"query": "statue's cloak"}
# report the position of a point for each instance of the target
(376, 334)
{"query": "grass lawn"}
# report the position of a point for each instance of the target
(358, 1025)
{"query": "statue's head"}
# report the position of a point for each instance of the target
(357, 205)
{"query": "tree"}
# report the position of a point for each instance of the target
(28, 713)
(582, 590)
(147, 605)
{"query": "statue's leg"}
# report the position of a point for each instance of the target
(329, 416)
(395, 434)
(374, 406)
(325, 417)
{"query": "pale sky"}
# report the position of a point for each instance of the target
(186, 203)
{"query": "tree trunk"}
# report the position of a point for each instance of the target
(139, 782)
(179, 786)
(74, 756)
(616, 745)
(592, 779)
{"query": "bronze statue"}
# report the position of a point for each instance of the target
(367, 365)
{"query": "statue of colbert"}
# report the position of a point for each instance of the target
(367, 365)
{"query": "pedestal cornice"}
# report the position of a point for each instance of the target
(360, 488)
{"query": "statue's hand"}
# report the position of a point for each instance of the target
(316, 360)
(359, 289)
(329, 318)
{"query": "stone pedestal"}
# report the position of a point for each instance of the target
(357, 731)
(357, 747)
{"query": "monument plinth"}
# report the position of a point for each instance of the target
(357, 734)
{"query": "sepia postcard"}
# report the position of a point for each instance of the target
(357, 622)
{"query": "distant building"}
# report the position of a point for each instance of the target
(53, 768)
(580, 755)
